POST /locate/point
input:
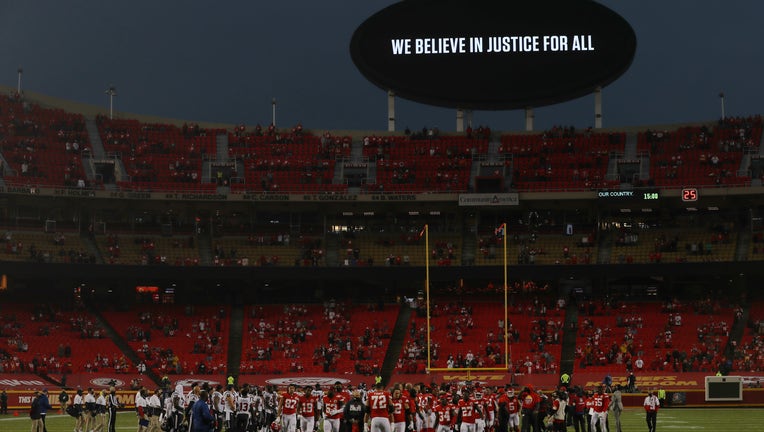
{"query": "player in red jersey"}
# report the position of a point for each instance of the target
(445, 412)
(289, 403)
(424, 398)
(468, 412)
(600, 403)
(589, 403)
(490, 408)
(308, 410)
(508, 407)
(379, 407)
(514, 406)
(478, 398)
(333, 404)
(428, 420)
(401, 410)
(577, 400)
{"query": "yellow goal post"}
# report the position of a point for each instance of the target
(502, 229)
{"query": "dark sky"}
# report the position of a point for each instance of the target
(225, 61)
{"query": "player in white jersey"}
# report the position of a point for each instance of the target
(244, 408)
(259, 408)
(218, 407)
(191, 397)
(229, 405)
(174, 409)
(270, 405)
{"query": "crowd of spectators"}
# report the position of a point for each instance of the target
(280, 338)
(292, 340)
(161, 338)
(51, 323)
(654, 337)
(454, 346)
(42, 145)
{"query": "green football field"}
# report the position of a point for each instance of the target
(688, 419)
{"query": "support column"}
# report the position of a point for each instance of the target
(529, 119)
(459, 120)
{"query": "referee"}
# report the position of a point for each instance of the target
(113, 405)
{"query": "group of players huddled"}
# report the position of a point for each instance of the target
(450, 407)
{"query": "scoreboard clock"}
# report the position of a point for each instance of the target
(636, 196)
(690, 194)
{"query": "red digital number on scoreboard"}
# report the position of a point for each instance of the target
(689, 194)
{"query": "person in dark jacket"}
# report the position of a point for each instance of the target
(201, 416)
(353, 413)
(34, 413)
(63, 399)
(44, 407)
(3, 402)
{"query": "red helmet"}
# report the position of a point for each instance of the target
(275, 426)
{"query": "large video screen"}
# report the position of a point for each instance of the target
(489, 54)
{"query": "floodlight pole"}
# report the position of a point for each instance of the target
(18, 86)
(459, 120)
(529, 119)
(111, 92)
(721, 99)
(390, 111)
(273, 112)
(598, 108)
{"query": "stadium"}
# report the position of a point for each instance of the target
(139, 251)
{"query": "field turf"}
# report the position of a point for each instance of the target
(633, 419)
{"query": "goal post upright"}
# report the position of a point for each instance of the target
(506, 289)
(469, 370)
(427, 288)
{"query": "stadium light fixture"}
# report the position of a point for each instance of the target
(721, 99)
(111, 92)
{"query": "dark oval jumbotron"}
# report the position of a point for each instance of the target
(493, 55)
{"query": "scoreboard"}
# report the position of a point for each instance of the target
(690, 194)
(636, 196)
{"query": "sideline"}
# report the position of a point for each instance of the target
(25, 416)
